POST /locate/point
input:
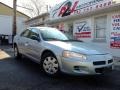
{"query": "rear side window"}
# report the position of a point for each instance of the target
(25, 33)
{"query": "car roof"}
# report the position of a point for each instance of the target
(38, 27)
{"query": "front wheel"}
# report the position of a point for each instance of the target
(50, 64)
(17, 55)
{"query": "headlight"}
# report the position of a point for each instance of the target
(69, 54)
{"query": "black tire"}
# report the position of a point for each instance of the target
(54, 60)
(17, 55)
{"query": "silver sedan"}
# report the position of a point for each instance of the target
(57, 53)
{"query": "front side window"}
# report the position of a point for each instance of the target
(34, 33)
(52, 34)
(100, 27)
(25, 33)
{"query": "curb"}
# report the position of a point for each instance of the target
(8, 50)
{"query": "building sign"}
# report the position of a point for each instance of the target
(92, 6)
(82, 29)
(115, 33)
(72, 7)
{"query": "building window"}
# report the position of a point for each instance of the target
(69, 33)
(43, 19)
(100, 28)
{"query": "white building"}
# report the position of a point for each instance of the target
(38, 20)
(6, 21)
(94, 21)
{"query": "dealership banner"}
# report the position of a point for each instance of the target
(82, 29)
(73, 7)
(115, 33)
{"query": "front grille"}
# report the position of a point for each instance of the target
(103, 69)
(99, 63)
(110, 61)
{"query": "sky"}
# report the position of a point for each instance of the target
(20, 2)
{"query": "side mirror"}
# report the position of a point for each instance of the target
(33, 37)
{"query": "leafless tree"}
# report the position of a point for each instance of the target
(35, 7)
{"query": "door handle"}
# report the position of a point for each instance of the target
(26, 44)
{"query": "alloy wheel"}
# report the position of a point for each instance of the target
(50, 65)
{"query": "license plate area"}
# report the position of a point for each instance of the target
(103, 69)
(107, 69)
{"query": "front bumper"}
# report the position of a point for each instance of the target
(88, 67)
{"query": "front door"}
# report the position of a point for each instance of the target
(34, 44)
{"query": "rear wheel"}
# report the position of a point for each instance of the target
(50, 64)
(17, 55)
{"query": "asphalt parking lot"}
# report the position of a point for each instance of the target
(26, 75)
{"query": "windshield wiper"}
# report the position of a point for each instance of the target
(54, 39)
(69, 40)
(72, 40)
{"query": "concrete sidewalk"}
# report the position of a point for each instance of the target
(7, 49)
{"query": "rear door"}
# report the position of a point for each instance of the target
(23, 42)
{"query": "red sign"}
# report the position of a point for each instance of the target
(115, 34)
(83, 35)
(67, 9)
(115, 44)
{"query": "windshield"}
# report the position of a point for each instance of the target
(52, 34)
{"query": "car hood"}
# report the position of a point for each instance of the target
(79, 47)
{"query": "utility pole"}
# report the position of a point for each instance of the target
(14, 19)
